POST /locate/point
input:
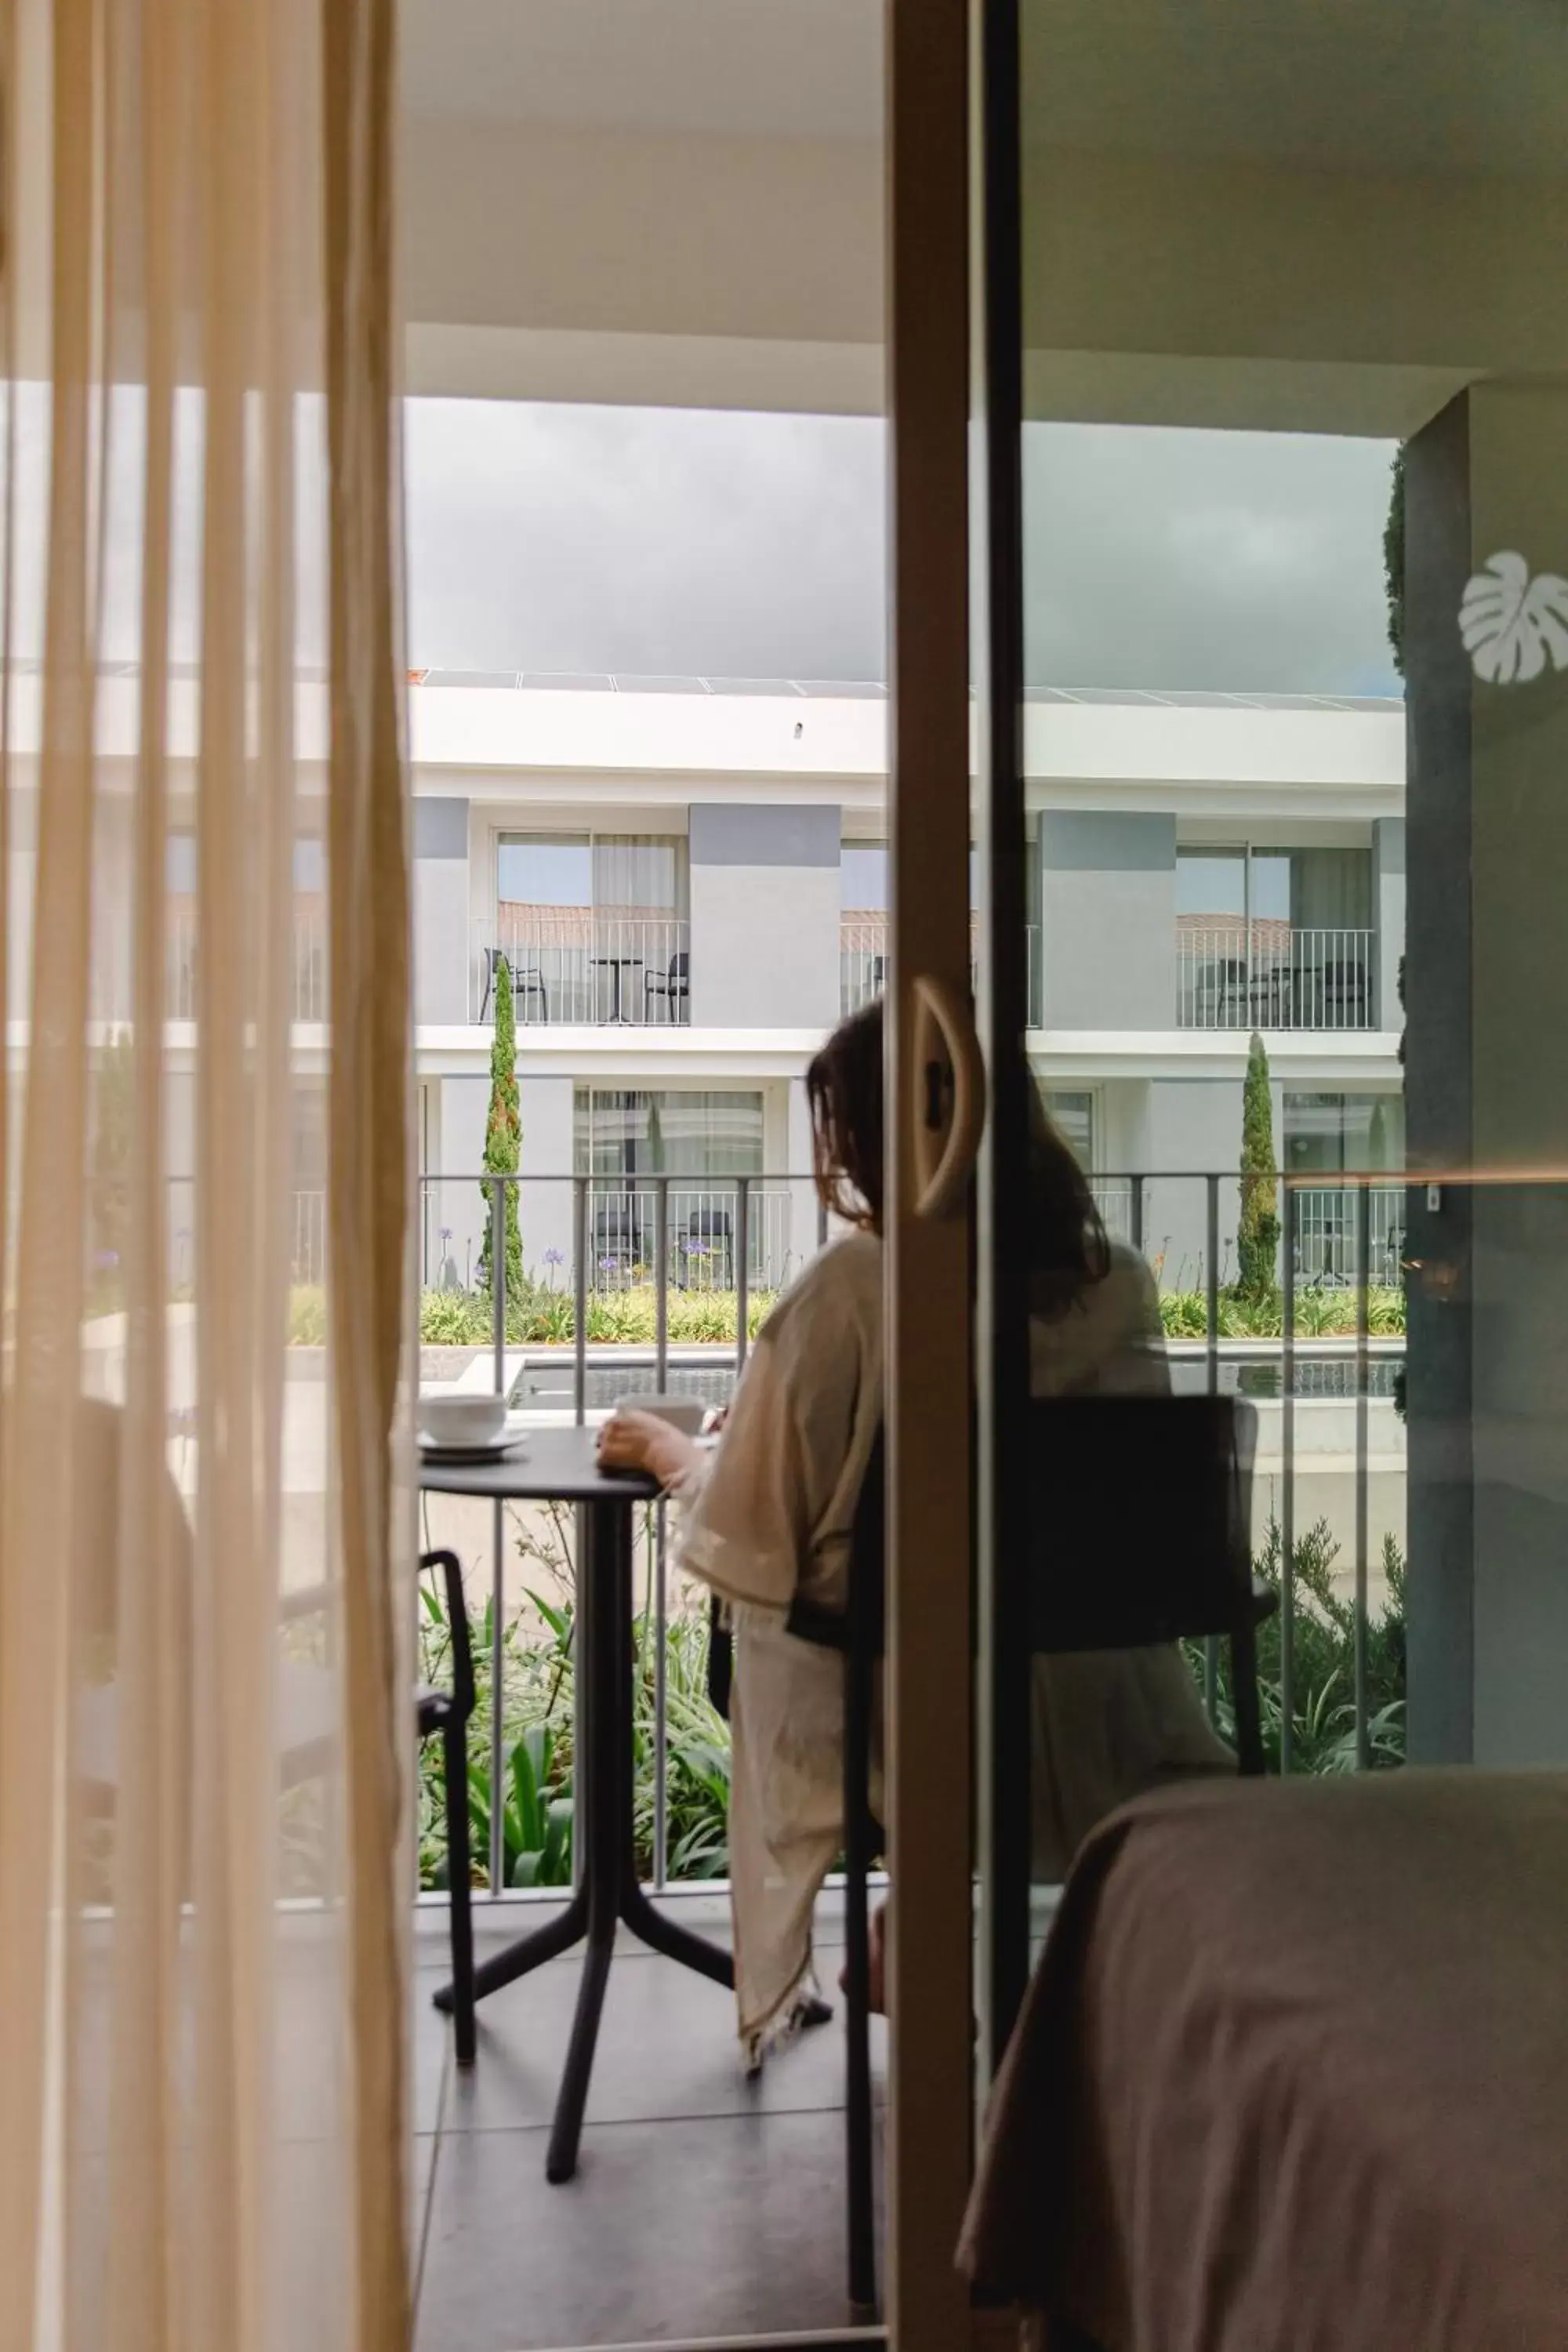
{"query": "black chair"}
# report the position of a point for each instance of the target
(674, 984)
(443, 1715)
(709, 1237)
(307, 1699)
(524, 982)
(620, 1232)
(1170, 1551)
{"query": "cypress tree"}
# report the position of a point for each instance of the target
(503, 1137)
(1258, 1234)
(1394, 561)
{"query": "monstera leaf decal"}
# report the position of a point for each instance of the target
(1511, 624)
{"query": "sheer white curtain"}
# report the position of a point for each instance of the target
(205, 1691)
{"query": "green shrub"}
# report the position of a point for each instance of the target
(1322, 1695)
(1320, 1313)
(541, 1317)
(307, 1316)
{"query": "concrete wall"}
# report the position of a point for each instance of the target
(547, 1150)
(462, 1108)
(1389, 852)
(1108, 919)
(764, 917)
(440, 910)
(1192, 1124)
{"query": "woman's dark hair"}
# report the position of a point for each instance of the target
(844, 1088)
(844, 1091)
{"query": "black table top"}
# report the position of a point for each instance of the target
(549, 1465)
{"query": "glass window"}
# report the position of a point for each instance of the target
(618, 1132)
(635, 872)
(310, 863)
(180, 865)
(1211, 885)
(1329, 1133)
(1329, 889)
(545, 870)
(1073, 1117)
(863, 876)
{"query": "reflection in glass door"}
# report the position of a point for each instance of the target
(1290, 962)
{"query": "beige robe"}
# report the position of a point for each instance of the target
(775, 1512)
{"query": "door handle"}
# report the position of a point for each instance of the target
(949, 1107)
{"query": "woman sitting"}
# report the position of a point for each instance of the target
(768, 1517)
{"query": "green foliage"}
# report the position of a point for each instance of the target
(1322, 1696)
(538, 1316)
(1394, 560)
(307, 1316)
(503, 1136)
(1258, 1233)
(1320, 1313)
(109, 1179)
(538, 1797)
(541, 1317)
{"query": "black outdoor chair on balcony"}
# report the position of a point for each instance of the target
(1141, 1514)
(1342, 991)
(708, 1242)
(620, 1234)
(525, 982)
(674, 984)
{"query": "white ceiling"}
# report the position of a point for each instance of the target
(733, 68)
(1444, 86)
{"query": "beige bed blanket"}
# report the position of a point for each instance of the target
(1294, 2075)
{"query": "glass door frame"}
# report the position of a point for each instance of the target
(930, 2120)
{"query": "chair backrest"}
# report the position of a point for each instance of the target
(1141, 1520)
(681, 965)
(1141, 1513)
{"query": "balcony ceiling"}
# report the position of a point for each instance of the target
(1321, 215)
(716, 68)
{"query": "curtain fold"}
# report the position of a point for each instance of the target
(205, 1556)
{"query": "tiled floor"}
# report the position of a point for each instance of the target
(703, 2206)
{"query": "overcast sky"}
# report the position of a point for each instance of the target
(670, 540)
(752, 546)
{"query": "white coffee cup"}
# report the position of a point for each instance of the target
(685, 1413)
(462, 1420)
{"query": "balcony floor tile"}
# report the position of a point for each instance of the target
(709, 2228)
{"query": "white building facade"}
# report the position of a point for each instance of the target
(686, 881)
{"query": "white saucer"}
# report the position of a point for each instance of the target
(490, 1449)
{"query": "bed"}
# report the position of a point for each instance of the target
(1292, 2075)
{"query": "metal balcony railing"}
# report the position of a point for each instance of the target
(570, 965)
(1268, 976)
(864, 965)
(309, 981)
(653, 1285)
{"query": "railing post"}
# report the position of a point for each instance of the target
(496, 1859)
(661, 1281)
(742, 1269)
(1363, 1325)
(1288, 1482)
(660, 1697)
(580, 1292)
(1211, 1329)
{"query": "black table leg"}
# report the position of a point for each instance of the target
(529, 1952)
(609, 1890)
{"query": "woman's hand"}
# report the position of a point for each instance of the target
(643, 1441)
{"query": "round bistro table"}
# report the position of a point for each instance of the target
(561, 1465)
